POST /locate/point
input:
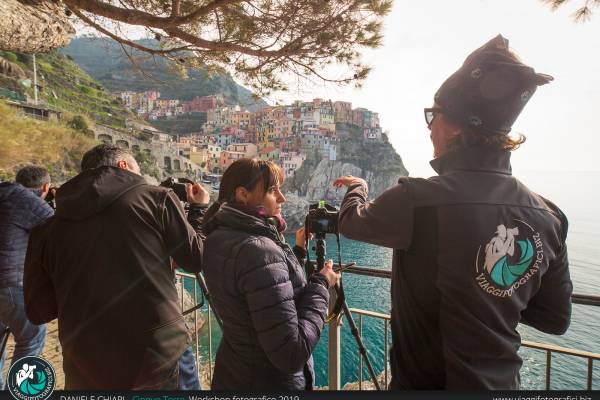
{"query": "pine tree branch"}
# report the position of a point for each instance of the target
(121, 40)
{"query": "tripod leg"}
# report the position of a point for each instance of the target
(4, 342)
(206, 294)
(361, 346)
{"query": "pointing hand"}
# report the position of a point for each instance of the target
(348, 180)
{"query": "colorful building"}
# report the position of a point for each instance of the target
(229, 157)
(203, 104)
(316, 144)
(249, 149)
(290, 162)
(269, 153)
(342, 111)
(228, 135)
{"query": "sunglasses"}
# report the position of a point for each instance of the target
(430, 114)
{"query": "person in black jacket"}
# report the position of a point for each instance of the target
(102, 265)
(22, 206)
(272, 314)
(475, 251)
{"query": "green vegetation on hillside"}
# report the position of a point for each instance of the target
(49, 144)
(66, 87)
(106, 62)
(147, 163)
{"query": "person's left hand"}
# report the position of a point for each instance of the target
(300, 241)
(196, 194)
(348, 180)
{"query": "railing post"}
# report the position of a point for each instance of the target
(334, 350)
(590, 373)
(548, 368)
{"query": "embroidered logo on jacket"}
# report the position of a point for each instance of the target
(510, 259)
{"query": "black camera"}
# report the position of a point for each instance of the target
(179, 186)
(322, 218)
(51, 197)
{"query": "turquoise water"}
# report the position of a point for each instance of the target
(578, 200)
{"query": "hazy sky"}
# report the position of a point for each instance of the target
(427, 40)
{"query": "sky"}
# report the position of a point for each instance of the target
(427, 40)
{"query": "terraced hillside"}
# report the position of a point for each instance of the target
(64, 86)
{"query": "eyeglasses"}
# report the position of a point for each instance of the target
(430, 114)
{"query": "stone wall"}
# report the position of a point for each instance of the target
(168, 160)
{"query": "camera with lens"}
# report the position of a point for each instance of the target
(322, 218)
(51, 197)
(179, 186)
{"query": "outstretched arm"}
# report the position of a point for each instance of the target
(183, 243)
(385, 221)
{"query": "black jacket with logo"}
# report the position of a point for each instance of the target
(102, 266)
(475, 253)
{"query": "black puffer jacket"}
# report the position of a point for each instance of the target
(20, 210)
(272, 316)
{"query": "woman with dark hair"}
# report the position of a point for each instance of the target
(272, 314)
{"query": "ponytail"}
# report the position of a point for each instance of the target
(207, 225)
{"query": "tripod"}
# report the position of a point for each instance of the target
(201, 284)
(320, 251)
(205, 295)
(4, 341)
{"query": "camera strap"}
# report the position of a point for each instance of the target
(310, 269)
(341, 295)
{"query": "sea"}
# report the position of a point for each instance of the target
(578, 195)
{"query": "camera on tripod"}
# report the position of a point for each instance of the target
(322, 219)
(179, 186)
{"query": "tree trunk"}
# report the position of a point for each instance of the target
(33, 26)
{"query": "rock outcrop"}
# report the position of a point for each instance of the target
(33, 26)
(375, 161)
(294, 210)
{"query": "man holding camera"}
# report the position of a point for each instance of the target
(475, 251)
(22, 206)
(102, 265)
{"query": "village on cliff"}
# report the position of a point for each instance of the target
(287, 135)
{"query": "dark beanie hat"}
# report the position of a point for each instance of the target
(490, 90)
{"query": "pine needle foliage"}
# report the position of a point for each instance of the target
(265, 43)
(584, 11)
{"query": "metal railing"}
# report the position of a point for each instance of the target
(190, 296)
(386, 323)
(588, 300)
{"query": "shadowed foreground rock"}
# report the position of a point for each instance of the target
(33, 26)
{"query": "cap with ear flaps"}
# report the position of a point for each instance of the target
(490, 90)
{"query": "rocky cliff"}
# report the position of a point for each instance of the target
(375, 161)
